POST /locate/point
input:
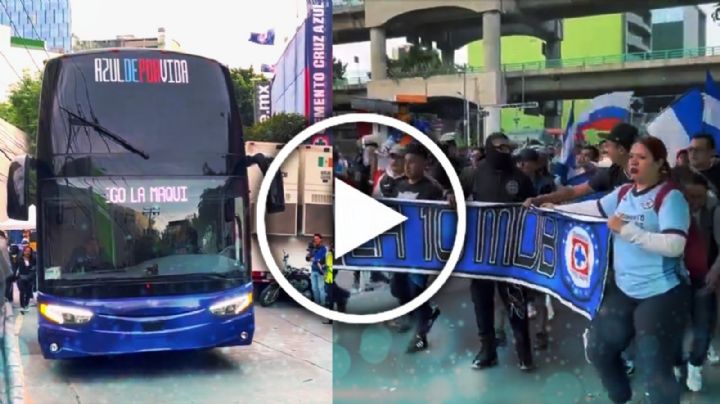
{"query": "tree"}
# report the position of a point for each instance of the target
(416, 59)
(279, 128)
(339, 69)
(244, 84)
(21, 109)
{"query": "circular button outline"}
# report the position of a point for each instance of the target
(458, 243)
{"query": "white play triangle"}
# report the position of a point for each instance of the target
(359, 218)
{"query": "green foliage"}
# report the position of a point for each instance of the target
(339, 69)
(21, 109)
(279, 128)
(244, 84)
(416, 59)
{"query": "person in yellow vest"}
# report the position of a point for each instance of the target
(335, 294)
(329, 282)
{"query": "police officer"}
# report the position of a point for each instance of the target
(496, 179)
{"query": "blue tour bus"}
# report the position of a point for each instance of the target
(142, 199)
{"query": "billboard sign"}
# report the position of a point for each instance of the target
(263, 101)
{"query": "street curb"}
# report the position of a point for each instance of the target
(14, 378)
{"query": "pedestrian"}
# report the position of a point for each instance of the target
(329, 279)
(498, 180)
(682, 159)
(701, 154)
(649, 298)
(387, 187)
(317, 257)
(6, 270)
(705, 277)
(10, 280)
(416, 185)
(616, 146)
(25, 274)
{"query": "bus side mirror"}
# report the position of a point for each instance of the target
(276, 194)
(18, 188)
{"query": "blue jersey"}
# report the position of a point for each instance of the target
(318, 258)
(640, 273)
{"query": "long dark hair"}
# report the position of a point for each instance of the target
(659, 152)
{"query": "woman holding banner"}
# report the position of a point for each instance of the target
(649, 300)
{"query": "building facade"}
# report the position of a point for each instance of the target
(19, 56)
(129, 41)
(678, 28)
(596, 36)
(45, 20)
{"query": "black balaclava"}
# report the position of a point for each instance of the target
(497, 159)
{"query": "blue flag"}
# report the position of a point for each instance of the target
(565, 256)
(263, 38)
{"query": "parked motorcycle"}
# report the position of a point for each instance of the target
(299, 278)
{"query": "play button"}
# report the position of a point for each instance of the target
(359, 218)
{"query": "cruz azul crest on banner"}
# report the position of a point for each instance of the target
(563, 255)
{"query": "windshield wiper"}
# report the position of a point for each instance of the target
(100, 129)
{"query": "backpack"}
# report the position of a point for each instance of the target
(696, 249)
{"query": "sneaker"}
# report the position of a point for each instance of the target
(585, 337)
(487, 357)
(482, 362)
(629, 366)
(712, 356)
(527, 367)
(694, 378)
(677, 371)
(417, 344)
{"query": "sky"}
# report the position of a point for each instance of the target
(220, 28)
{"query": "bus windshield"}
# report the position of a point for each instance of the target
(138, 113)
(131, 229)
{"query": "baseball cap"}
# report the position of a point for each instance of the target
(528, 155)
(623, 134)
(397, 150)
(447, 137)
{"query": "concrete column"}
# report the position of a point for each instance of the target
(553, 118)
(553, 50)
(491, 45)
(448, 55)
(378, 54)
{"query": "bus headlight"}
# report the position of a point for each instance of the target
(233, 306)
(64, 314)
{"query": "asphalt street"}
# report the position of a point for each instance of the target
(370, 363)
(290, 361)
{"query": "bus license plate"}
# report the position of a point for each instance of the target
(153, 325)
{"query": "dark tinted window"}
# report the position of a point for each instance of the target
(137, 228)
(174, 107)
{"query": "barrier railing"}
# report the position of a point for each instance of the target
(437, 70)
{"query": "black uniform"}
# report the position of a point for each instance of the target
(607, 179)
(387, 186)
(496, 179)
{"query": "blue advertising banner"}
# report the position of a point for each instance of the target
(563, 255)
(319, 62)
